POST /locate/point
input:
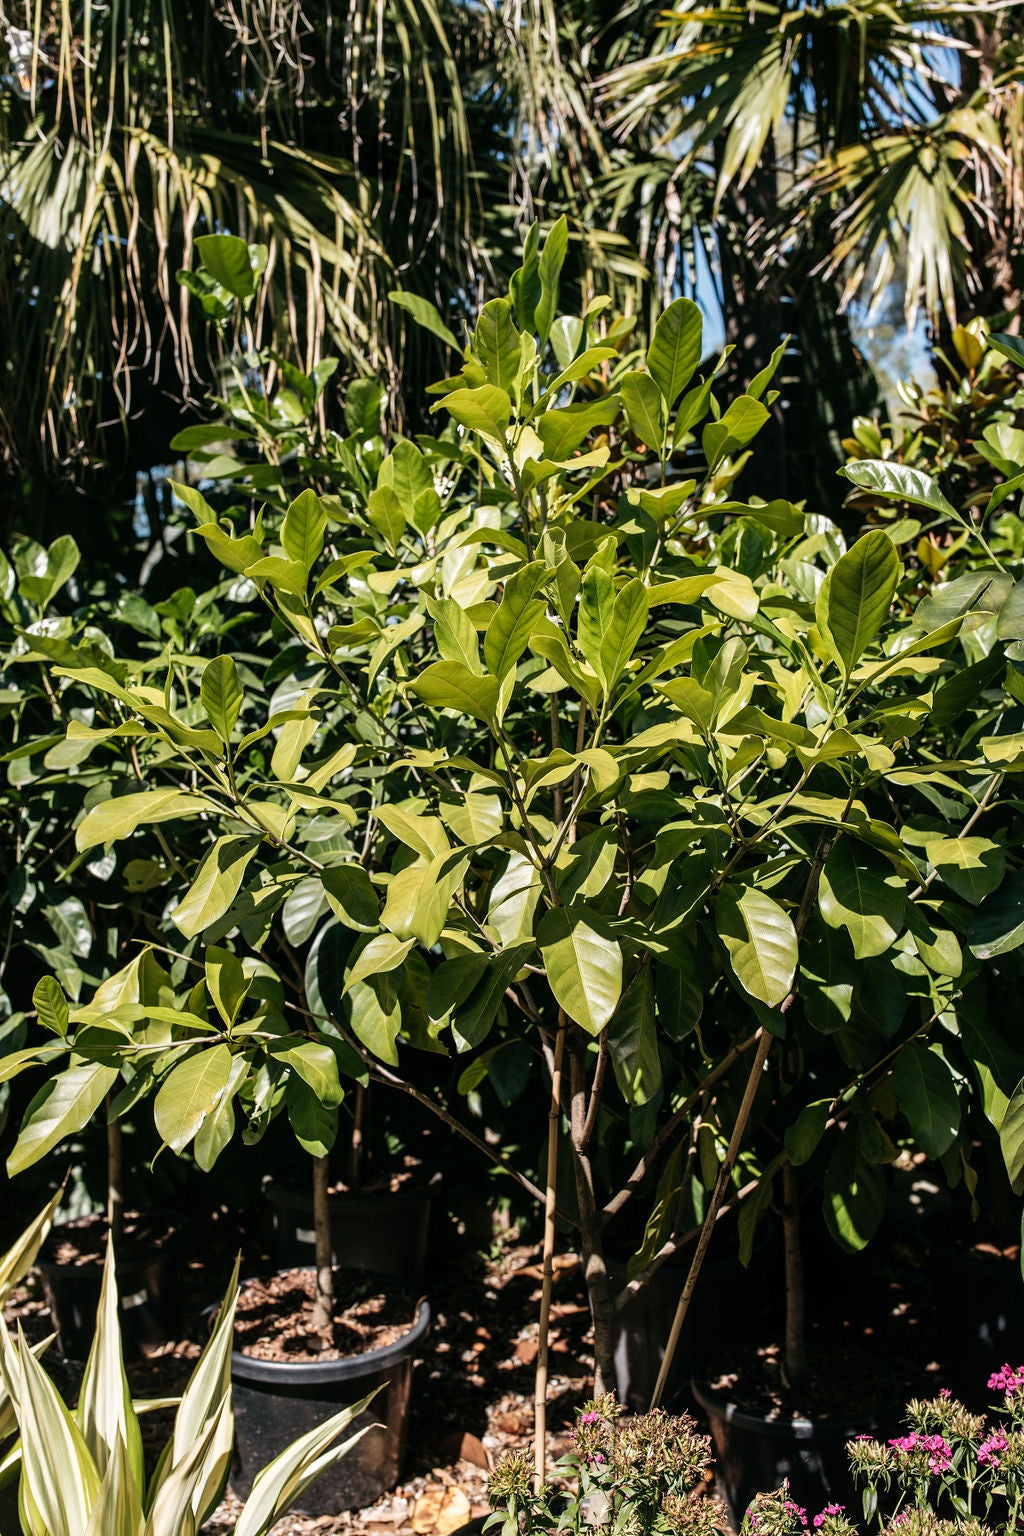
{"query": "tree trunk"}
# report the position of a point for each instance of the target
(115, 1179)
(323, 1309)
(795, 1361)
(357, 1149)
(540, 1386)
(595, 1269)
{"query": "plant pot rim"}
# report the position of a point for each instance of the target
(362, 1202)
(312, 1373)
(712, 1400)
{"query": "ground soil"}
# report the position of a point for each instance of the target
(274, 1316)
(83, 1242)
(840, 1382)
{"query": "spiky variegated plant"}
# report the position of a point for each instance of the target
(81, 1470)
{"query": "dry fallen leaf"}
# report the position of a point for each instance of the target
(440, 1510)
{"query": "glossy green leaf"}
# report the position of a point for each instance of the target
(60, 1109)
(352, 898)
(486, 409)
(901, 482)
(517, 616)
(583, 965)
(627, 623)
(645, 408)
(675, 350)
(858, 892)
(190, 1092)
(220, 693)
(761, 942)
(496, 342)
(450, 685)
(927, 1095)
(228, 260)
(855, 597)
(302, 532)
(855, 1194)
(552, 259)
(1011, 1139)
(216, 884)
(118, 817)
(633, 1041)
(425, 314)
(998, 925)
(803, 1137)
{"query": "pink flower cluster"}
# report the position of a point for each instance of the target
(796, 1511)
(988, 1450)
(830, 1509)
(936, 1449)
(590, 1418)
(1008, 1379)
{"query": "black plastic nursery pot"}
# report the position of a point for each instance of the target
(385, 1231)
(147, 1285)
(728, 1303)
(277, 1401)
(979, 1297)
(754, 1451)
(10, 1523)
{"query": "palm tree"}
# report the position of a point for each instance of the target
(854, 140)
(368, 144)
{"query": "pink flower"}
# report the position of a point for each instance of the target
(988, 1450)
(830, 1509)
(590, 1418)
(933, 1446)
(1008, 1379)
(945, 1392)
(794, 1509)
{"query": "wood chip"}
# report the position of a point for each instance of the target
(441, 1510)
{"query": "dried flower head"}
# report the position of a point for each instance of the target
(511, 1481)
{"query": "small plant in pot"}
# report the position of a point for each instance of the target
(82, 1471)
(306, 1340)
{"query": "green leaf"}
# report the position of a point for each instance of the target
(1011, 1139)
(118, 817)
(738, 426)
(190, 1092)
(858, 892)
(216, 884)
(898, 481)
(60, 1109)
(552, 259)
(228, 261)
(518, 614)
(855, 1195)
(633, 1042)
(583, 964)
(487, 410)
(1010, 346)
(450, 685)
(972, 867)
(998, 926)
(627, 624)
(317, 1066)
(496, 342)
(425, 314)
(594, 619)
(803, 1136)
(645, 409)
(855, 597)
(376, 1018)
(382, 954)
(227, 983)
(302, 532)
(220, 693)
(675, 349)
(352, 898)
(314, 1124)
(70, 922)
(761, 942)
(455, 633)
(926, 1093)
(217, 1131)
